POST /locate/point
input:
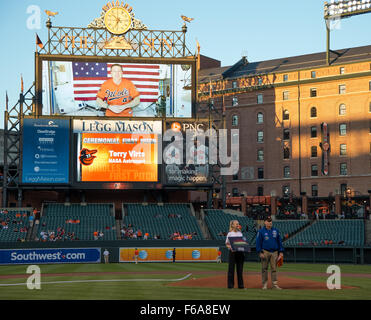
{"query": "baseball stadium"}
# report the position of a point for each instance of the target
(128, 157)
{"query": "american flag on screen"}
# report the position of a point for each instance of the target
(89, 76)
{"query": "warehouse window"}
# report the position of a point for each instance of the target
(285, 115)
(260, 173)
(343, 188)
(260, 98)
(342, 129)
(235, 120)
(314, 190)
(260, 136)
(234, 101)
(260, 155)
(313, 112)
(286, 134)
(342, 109)
(286, 172)
(313, 92)
(313, 74)
(313, 132)
(260, 191)
(260, 117)
(313, 152)
(314, 170)
(343, 169)
(285, 191)
(342, 89)
(235, 192)
(285, 95)
(286, 152)
(343, 149)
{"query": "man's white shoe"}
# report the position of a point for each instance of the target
(276, 287)
(265, 287)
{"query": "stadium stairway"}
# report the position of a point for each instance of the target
(203, 226)
(118, 229)
(33, 232)
(234, 212)
(300, 230)
(30, 231)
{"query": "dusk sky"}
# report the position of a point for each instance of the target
(262, 30)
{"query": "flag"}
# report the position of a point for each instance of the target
(89, 76)
(198, 56)
(22, 86)
(38, 42)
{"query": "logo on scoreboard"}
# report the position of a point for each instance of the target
(87, 156)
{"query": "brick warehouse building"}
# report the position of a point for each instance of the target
(305, 127)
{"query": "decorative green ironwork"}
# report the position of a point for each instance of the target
(72, 41)
(12, 138)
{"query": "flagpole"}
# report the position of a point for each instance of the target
(6, 101)
(21, 98)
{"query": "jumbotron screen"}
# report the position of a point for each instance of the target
(117, 151)
(88, 88)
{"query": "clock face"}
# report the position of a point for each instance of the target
(117, 20)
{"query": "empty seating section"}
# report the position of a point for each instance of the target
(14, 224)
(162, 220)
(77, 209)
(218, 224)
(289, 227)
(82, 220)
(331, 232)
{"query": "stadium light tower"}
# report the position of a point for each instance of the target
(335, 10)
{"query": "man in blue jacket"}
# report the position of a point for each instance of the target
(269, 247)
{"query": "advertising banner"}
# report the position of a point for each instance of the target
(189, 254)
(45, 156)
(186, 154)
(117, 150)
(55, 255)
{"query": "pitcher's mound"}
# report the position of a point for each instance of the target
(253, 281)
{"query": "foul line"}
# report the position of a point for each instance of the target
(112, 280)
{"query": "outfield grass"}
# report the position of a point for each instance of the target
(142, 290)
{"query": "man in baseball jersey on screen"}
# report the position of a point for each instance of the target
(118, 95)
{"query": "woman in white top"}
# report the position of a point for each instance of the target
(236, 259)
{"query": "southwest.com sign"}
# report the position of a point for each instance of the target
(57, 255)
